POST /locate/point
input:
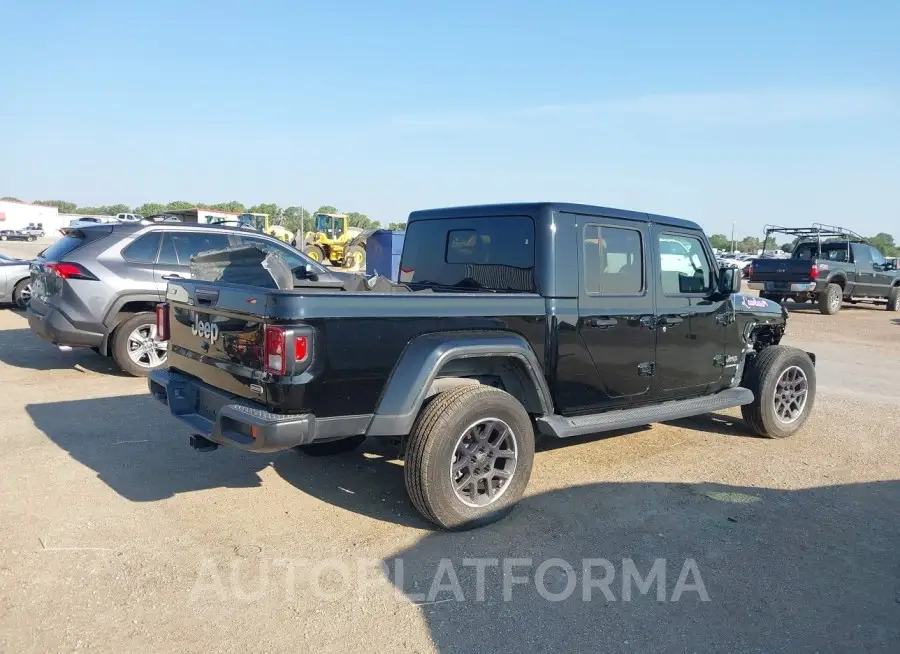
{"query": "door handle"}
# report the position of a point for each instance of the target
(172, 276)
(602, 323)
(670, 321)
(648, 321)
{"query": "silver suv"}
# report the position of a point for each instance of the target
(98, 286)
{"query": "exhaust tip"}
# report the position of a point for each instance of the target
(202, 444)
(64, 348)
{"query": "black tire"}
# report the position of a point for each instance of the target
(893, 303)
(22, 293)
(120, 344)
(439, 428)
(32, 238)
(830, 299)
(355, 258)
(762, 376)
(3, 237)
(314, 252)
(328, 448)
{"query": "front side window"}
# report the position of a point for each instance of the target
(683, 265)
(876, 256)
(613, 260)
(482, 253)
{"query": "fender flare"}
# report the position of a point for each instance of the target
(424, 356)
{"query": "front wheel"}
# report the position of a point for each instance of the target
(783, 381)
(315, 253)
(469, 457)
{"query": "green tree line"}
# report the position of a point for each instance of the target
(291, 218)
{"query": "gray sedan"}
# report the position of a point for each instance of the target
(15, 281)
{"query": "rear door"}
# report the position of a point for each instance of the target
(615, 309)
(691, 319)
(177, 248)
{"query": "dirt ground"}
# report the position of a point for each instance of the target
(116, 536)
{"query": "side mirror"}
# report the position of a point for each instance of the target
(729, 280)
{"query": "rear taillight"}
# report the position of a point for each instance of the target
(301, 348)
(66, 270)
(274, 360)
(814, 272)
(162, 321)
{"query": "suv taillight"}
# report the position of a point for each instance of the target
(273, 352)
(162, 321)
(66, 270)
(814, 272)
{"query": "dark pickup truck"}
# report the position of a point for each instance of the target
(509, 320)
(829, 266)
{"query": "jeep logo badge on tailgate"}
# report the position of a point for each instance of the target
(205, 329)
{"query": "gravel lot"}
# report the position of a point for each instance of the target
(118, 537)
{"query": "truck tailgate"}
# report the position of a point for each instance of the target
(217, 333)
(782, 270)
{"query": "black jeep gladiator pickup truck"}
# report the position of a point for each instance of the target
(829, 266)
(516, 319)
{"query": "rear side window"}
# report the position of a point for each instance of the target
(613, 260)
(488, 253)
(144, 249)
(179, 247)
(63, 246)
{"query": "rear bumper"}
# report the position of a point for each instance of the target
(246, 425)
(783, 287)
(53, 326)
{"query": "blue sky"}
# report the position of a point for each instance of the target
(715, 111)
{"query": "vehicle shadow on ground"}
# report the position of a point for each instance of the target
(369, 481)
(139, 450)
(21, 348)
(810, 570)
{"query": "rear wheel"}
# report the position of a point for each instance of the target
(830, 299)
(783, 381)
(314, 252)
(355, 258)
(22, 293)
(328, 448)
(2, 237)
(134, 349)
(469, 457)
(893, 303)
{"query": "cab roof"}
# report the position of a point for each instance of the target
(543, 210)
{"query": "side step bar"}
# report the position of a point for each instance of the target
(562, 427)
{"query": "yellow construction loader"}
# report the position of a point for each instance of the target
(333, 239)
(260, 222)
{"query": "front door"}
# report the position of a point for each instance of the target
(615, 309)
(691, 318)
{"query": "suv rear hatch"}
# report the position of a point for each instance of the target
(52, 274)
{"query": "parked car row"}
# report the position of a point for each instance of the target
(18, 235)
